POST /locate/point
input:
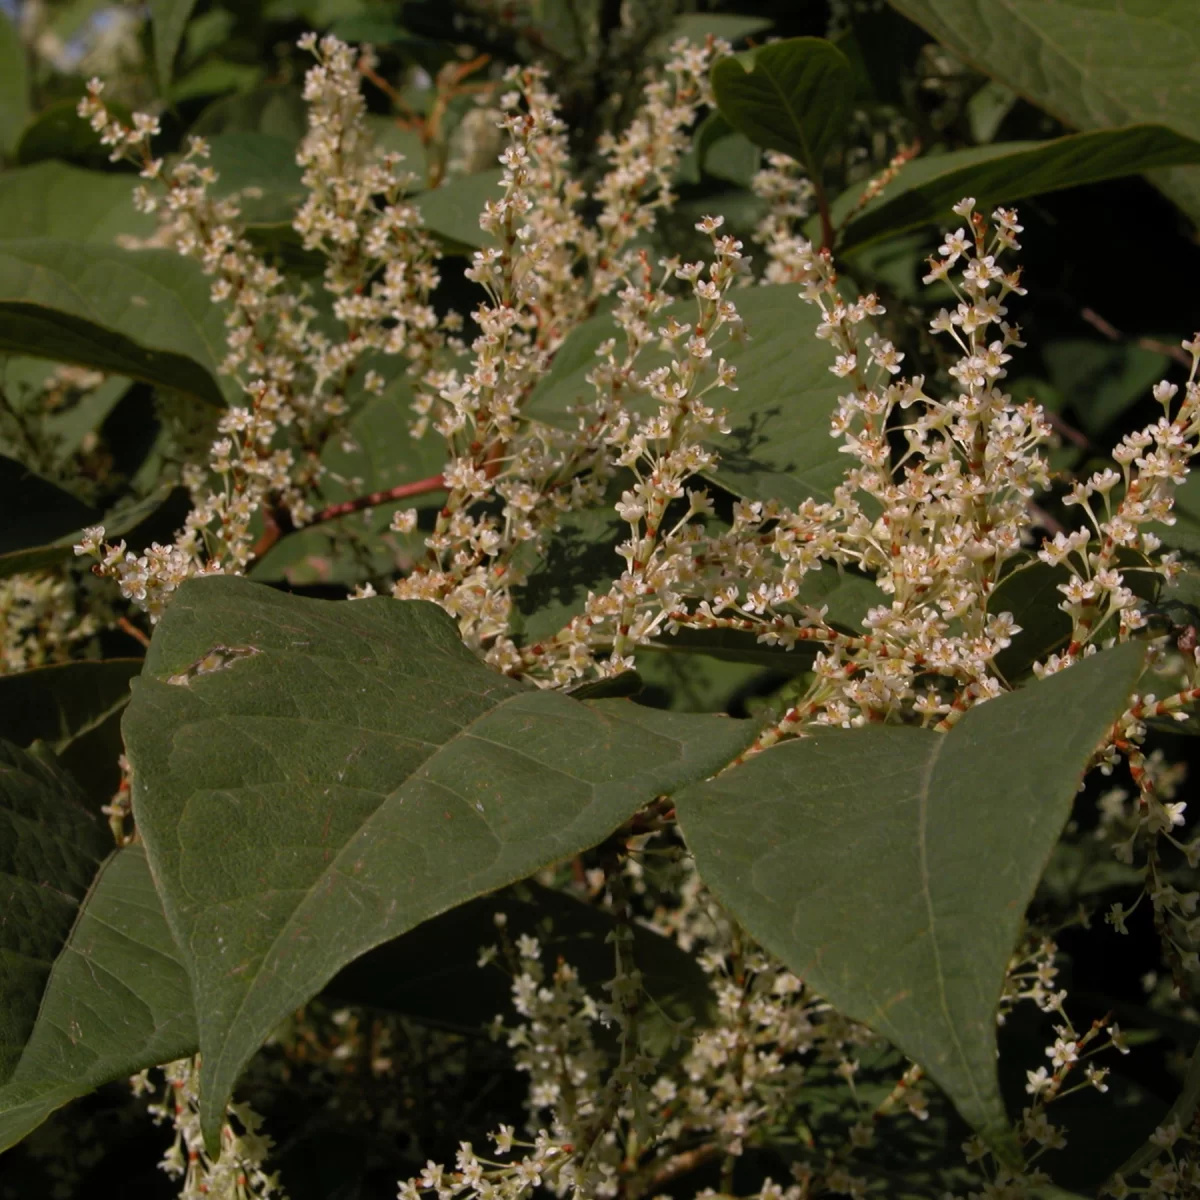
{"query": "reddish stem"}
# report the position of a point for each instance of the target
(275, 528)
(433, 484)
(828, 233)
(1110, 331)
(127, 626)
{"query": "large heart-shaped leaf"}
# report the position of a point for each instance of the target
(793, 96)
(117, 999)
(924, 190)
(891, 866)
(1091, 63)
(313, 778)
(146, 313)
(779, 446)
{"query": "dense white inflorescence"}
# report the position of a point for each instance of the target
(935, 505)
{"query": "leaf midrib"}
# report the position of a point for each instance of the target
(923, 796)
(307, 893)
(1054, 110)
(44, 272)
(806, 149)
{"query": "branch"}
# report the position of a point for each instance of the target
(279, 524)
(1064, 427)
(401, 491)
(1110, 331)
(828, 233)
(667, 1172)
(127, 626)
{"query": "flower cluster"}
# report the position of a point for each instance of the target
(933, 512)
(630, 1130)
(40, 622)
(237, 1173)
(380, 271)
(788, 194)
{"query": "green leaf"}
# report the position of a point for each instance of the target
(14, 85)
(1181, 1115)
(925, 189)
(1030, 592)
(146, 313)
(845, 596)
(580, 556)
(276, 109)
(433, 974)
(627, 683)
(58, 132)
(215, 78)
(43, 201)
(731, 646)
(1184, 533)
(697, 28)
(779, 446)
(378, 30)
(724, 153)
(891, 866)
(322, 776)
(264, 163)
(793, 96)
(68, 428)
(117, 1000)
(75, 708)
(1092, 64)
(40, 523)
(381, 455)
(987, 109)
(91, 988)
(68, 421)
(208, 33)
(391, 133)
(62, 703)
(34, 512)
(452, 210)
(704, 683)
(1101, 380)
(50, 849)
(168, 20)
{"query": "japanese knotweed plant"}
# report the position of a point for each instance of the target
(826, 898)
